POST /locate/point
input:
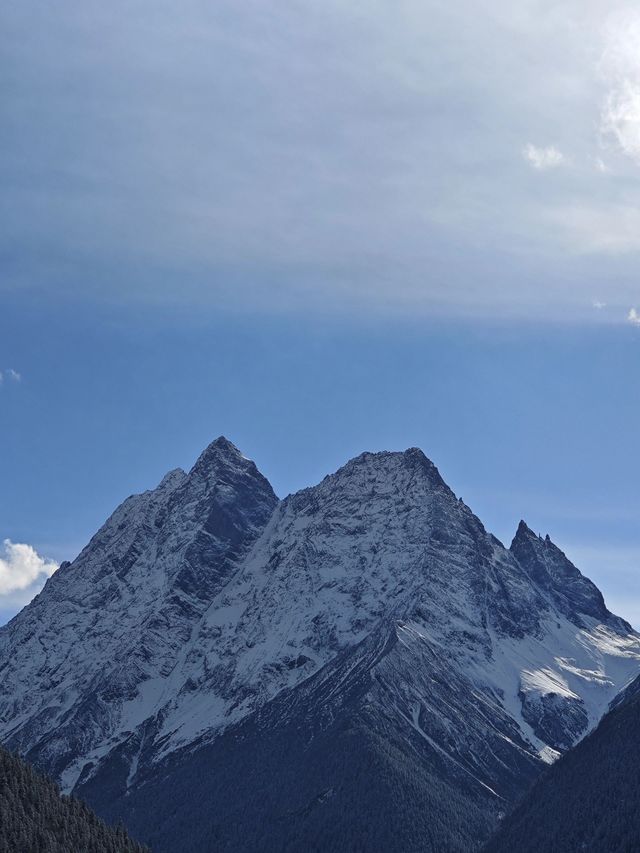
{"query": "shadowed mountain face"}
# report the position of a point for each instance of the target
(590, 799)
(359, 660)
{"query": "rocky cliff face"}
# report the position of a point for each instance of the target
(206, 614)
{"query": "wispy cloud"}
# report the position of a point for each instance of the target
(633, 317)
(295, 156)
(543, 158)
(598, 228)
(10, 374)
(23, 571)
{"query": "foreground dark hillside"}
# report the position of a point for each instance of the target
(589, 800)
(35, 818)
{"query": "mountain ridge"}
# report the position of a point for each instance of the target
(207, 606)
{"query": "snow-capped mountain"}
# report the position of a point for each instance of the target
(77, 662)
(210, 633)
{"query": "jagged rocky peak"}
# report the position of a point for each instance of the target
(224, 500)
(551, 569)
(220, 453)
(228, 491)
(413, 459)
(371, 475)
(415, 456)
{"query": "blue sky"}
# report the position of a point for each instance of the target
(320, 230)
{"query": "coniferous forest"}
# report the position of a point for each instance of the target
(36, 818)
(589, 800)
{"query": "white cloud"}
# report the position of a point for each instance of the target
(599, 305)
(634, 317)
(542, 158)
(23, 570)
(620, 68)
(621, 117)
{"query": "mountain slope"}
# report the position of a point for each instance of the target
(589, 800)
(338, 763)
(73, 663)
(208, 626)
(35, 818)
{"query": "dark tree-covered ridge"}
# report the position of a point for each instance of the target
(590, 799)
(36, 818)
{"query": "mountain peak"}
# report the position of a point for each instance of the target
(393, 460)
(415, 456)
(221, 452)
(523, 534)
(551, 569)
(221, 445)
